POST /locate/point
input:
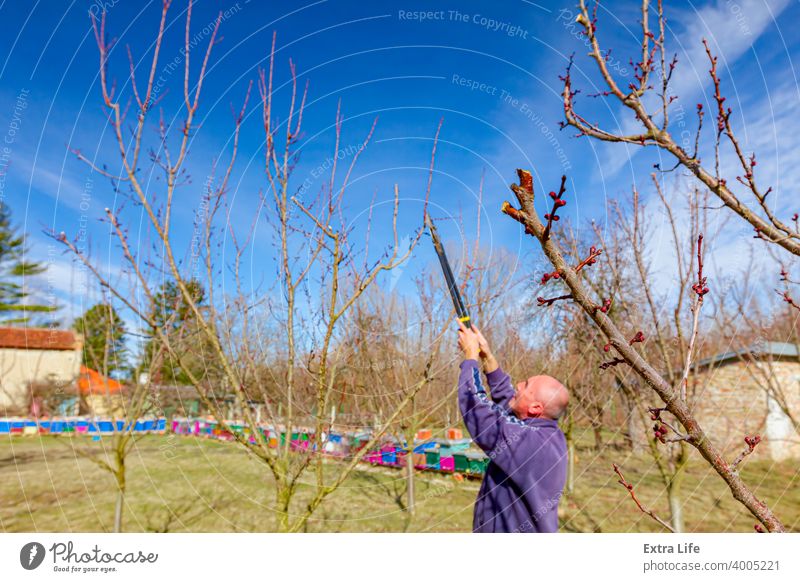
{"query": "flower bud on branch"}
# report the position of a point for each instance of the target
(638, 338)
(594, 252)
(558, 202)
(605, 307)
(751, 442)
(700, 287)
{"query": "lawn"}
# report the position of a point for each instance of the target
(185, 484)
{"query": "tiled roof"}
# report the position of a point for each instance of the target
(757, 350)
(37, 338)
(93, 382)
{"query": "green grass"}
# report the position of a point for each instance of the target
(184, 484)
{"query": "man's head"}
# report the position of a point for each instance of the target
(540, 397)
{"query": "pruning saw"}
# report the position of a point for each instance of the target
(461, 311)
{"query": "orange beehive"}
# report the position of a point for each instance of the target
(454, 434)
(424, 434)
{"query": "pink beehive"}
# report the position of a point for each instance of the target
(447, 464)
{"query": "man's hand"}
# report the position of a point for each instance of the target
(468, 342)
(489, 362)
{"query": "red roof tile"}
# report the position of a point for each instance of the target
(93, 382)
(37, 338)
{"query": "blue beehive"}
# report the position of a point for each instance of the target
(449, 446)
(389, 457)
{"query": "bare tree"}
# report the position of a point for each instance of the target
(314, 249)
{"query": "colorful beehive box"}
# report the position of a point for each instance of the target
(449, 446)
(454, 434)
(460, 462)
(477, 462)
(373, 457)
(424, 434)
(359, 440)
(432, 458)
(105, 426)
(389, 456)
(447, 464)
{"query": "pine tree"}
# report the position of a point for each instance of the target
(175, 317)
(103, 333)
(15, 267)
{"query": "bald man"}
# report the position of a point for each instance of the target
(518, 430)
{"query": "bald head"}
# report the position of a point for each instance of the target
(540, 397)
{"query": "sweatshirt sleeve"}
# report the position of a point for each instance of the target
(483, 418)
(500, 388)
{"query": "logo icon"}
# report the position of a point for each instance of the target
(31, 555)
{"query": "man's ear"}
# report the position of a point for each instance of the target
(535, 409)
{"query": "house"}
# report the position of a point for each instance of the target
(35, 357)
(100, 396)
(755, 390)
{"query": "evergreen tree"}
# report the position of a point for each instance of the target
(175, 317)
(15, 267)
(103, 333)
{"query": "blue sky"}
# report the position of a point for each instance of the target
(490, 69)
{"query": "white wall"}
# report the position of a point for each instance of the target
(19, 368)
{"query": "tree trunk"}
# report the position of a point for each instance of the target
(571, 466)
(598, 436)
(120, 476)
(284, 498)
(675, 509)
(674, 490)
(568, 434)
(410, 485)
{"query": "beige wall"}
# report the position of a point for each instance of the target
(105, 405)
(733, 404)
(19, 368)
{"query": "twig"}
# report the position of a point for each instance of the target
(541, 301)
(751, 442)
(641, 507)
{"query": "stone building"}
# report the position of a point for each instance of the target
(35, 356)
(751, 391)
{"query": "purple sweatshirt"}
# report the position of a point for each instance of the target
(528, 458)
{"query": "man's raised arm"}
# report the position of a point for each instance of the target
(500, 387)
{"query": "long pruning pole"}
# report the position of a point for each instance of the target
(461, 311)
